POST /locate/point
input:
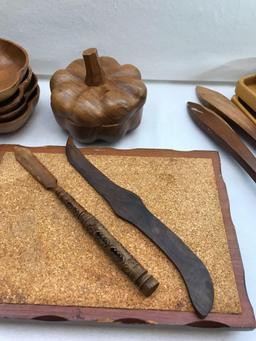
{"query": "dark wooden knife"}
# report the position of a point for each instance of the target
(128, 206)
(223, 134)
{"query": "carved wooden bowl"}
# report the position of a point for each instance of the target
(96, 98)
(15, 100)
(18, 122)
(244, 108)
(13, 66)
(10, 115)
(107, 133)
(246, 92)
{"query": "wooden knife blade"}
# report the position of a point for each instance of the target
(225, 108)
(129, 206)
(224, 135)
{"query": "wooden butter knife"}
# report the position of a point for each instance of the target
(225, 108)
(223, 134)
(123, 259)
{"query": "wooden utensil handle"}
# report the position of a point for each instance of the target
(123, 259)
(217, 128)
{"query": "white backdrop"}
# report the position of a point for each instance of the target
(166, 39)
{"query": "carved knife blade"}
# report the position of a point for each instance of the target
(128, 206)
(217, 128)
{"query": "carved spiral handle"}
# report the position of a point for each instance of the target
(123, 259)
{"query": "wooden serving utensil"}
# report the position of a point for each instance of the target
(123, 259)
(216, 127)
(225, 108)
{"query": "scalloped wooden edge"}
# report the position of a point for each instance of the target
(14, 101)
(11, 89)
(245, 320)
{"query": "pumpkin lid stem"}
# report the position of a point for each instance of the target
(94, 73)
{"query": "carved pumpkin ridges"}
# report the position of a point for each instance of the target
(106, 95)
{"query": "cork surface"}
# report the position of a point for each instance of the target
(47, 258)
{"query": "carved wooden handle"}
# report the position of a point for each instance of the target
(124, 260)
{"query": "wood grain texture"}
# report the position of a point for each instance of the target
(123, 259)
(13, 66)
(244, 108)
(243, 320)
(94, 98)
(246, 90)
(22, 103)
(109, 133)
(223, 134)
(13, 102)
(129, 206)
(94, 72)
(18, 122)
(225, 108)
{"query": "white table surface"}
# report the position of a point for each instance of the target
(165, 124)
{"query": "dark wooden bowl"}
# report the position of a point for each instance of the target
(13, 66)
(23, 103)
(11, 126)
(108, 133)
(14, 101)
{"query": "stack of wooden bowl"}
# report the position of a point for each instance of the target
(19, 90)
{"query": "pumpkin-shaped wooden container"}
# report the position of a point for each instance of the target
(96, 98)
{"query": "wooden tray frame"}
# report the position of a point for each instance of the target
(244, 320)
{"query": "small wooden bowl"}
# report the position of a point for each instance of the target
(13, 66)
(11, 126)
(108, 133)
(246, 90)
(244, 108)
(14, 101)
(15, 113)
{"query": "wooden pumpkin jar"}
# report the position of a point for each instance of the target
(96, 98)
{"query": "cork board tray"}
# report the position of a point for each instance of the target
(51, 270)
